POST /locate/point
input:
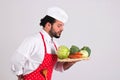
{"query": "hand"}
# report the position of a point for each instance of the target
(20, 77)
(67, 65)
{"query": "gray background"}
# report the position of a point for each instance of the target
(95, 23)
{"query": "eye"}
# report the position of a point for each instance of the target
(59, 26)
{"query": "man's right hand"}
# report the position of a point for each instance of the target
(20, 77)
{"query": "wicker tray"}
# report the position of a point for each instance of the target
(72, 60)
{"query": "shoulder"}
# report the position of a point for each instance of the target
(33, 38)
(29, 43)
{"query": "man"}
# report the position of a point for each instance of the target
(35, 59)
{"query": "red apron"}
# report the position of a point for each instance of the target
(47, 64)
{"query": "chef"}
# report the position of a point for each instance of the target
(36, 57)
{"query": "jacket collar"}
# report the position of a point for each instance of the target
(47, 37)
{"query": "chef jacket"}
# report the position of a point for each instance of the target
(30, 54)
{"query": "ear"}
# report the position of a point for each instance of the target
(48, 24)
(47, 27)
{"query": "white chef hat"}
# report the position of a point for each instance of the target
(58, 14)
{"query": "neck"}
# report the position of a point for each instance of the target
(46, 30)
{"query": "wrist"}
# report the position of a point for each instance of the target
(67, 65)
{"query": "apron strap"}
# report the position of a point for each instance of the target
(55, 45)
(44, 42)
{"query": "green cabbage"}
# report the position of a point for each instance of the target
(87, 49)
(63, 52)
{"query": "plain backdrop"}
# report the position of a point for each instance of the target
(95, 23)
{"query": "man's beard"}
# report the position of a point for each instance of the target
(54, 34)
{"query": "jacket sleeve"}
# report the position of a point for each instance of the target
(19, 58)
(17, 63)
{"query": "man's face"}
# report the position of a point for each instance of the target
(56, 29)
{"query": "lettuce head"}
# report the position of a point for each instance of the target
(63, 52)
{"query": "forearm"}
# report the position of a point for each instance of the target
(67, 65)
(61, 66)
(20, 77)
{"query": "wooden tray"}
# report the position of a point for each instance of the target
(72, 60)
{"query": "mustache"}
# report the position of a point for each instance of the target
(60, 31)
